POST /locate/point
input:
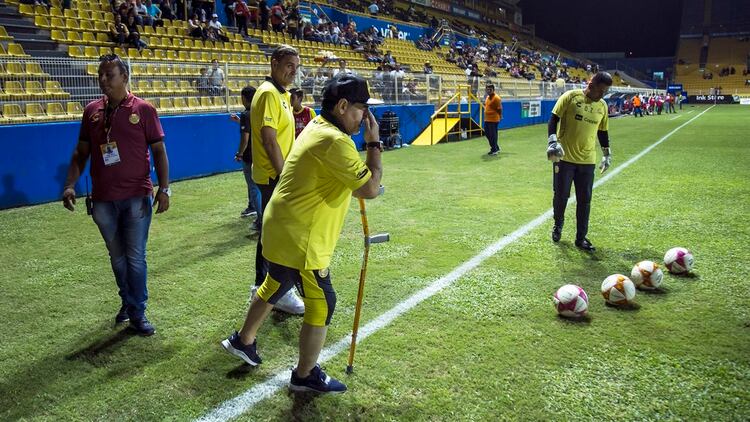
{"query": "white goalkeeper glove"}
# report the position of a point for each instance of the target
(554, 149)
(606, 160)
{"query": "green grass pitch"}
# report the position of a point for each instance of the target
(488, 347)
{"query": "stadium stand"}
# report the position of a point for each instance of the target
(167, 72)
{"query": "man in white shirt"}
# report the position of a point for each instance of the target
(214, 23)
(342, 68)
(373, 8)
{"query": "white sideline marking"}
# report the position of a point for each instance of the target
(245, 401)
(677, 116)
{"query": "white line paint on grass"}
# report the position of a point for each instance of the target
(245, 401)
(676, 117)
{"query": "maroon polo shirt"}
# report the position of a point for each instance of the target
(134, 126)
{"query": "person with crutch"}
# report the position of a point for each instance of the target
(303, 221)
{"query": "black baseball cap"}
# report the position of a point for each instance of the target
(349, 86)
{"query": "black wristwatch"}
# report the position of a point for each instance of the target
(375, 145)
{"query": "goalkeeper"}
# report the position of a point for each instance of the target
(582, 114)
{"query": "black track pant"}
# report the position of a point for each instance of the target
(564, 175)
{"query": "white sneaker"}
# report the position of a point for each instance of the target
(290, 303)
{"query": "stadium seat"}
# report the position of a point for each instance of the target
(206, 103)
(158, 88)
(4, 34)
(58, 35)
(15, 68)
(92, 69)
(53, 89)
(166, 104)
(186, 88)
(36, 111)
(144, 88)
(180, 104)
(12, 113)
(74, 109)
(86, 25)
(14, 90)
(34, 89)
(219, 103)
(55, 110)
(193, 103)
(72, 24)
(90, 51)
(16, 50)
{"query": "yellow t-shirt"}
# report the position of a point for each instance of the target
(271, 108)
(580, 119)
(303, 221)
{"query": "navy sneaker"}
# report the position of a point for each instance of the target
(248, 353)
(142, 326)
(122, 315)
(317, 382)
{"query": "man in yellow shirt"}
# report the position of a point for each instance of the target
(272, 135)
(303, 222)
(582, 114)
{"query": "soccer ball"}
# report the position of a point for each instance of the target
(646, 275)
(678, 260)
(571, 301)
(618, 289)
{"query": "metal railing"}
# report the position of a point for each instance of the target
(51, 89)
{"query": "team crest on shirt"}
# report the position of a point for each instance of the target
(95, 117)
(134, 119)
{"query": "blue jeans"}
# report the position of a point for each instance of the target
(124, 226)
(253, 192)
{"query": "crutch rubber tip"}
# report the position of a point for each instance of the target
(349, 369)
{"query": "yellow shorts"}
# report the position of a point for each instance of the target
(313, 285)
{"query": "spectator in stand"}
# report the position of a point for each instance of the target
(277, 18)
(118, 31)
(427, 68)
(241, 14)
(392, 31)
(263, 13)
(342, 68)
(202, 84)
(142, 17)
(388, 58)
(373, 8)
(302, 114)
(155, 13)
(217, 28)
(167, 12)
(216, 79)
(293, 21)
(335, 31)
(134, 38)
(194, 27)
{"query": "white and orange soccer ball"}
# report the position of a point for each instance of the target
(618, 289)
(571, 301)
(678, 260)
(647, 275)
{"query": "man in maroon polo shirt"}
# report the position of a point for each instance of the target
(116, 132)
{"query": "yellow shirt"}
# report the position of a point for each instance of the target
(580, 119)
(270, 108)
(303, 221)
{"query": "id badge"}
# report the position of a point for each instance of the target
(110, 154)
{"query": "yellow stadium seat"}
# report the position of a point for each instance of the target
(33, 68)
(219, 103)
(84, 15)
(144, 87)
(97, 16)
(15, 68)
(180, 104)
(70, 13)
(193, 103)
(173, 88)
(14, 90)
(160, 31)
(101, 26)
(147, 54)
(71, 23)
(91, 52)
(34, 89)
(105, 51)
(41, 21)
(195, 56)
(103, 38)
(186, 88)
(74, 37)
(158, 88)
(171, 55)
(54, 89)
(86, 25)
(55, 110)
(92, 69)
(206, 103)
(188, 44)
(13, 113)
(16, 50)
(205, 56)
(120, 52)
(133, 53)
(57, 35)
(35, 111)
(74, 109)
(165, 104)
(26, 9)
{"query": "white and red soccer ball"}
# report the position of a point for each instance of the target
(618, 289)
(571, 301)
(647, 275)
(678, 260)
